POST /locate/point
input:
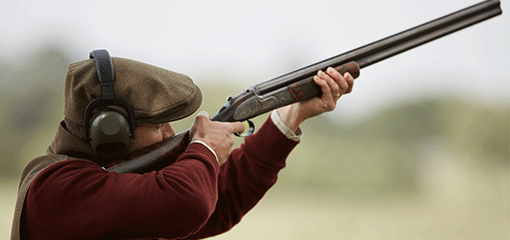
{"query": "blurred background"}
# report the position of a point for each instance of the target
(418, 150)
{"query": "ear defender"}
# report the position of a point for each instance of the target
(109, 131)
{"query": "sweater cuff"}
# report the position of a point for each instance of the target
(208, 147)
(282, 126)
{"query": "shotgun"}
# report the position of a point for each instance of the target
(298, 85)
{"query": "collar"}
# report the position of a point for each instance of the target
(74, 146)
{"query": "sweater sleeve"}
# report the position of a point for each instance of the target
(246, 176)
(76, 199)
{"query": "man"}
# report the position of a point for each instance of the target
(67, 195)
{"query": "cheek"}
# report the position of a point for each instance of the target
(143, 139)
(154, 137)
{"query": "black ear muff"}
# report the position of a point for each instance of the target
(109, 131)
(109, 134)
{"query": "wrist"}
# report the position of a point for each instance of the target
(291, 117)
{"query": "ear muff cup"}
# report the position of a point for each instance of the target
(109, 134)
(108, 131)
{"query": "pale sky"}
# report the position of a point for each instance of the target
(244, 43)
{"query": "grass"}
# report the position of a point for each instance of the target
(9, 190)
(456, 200)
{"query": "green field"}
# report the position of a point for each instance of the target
(457, 202)
(433, 168)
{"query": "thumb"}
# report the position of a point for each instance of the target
(201, 116)
(203, 113)
(237, 127)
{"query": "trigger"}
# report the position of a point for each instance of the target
(250, 131)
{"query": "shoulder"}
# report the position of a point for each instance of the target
(60, 167)
(56, 168)
(51, 170)
(34, 167)
(32, 171)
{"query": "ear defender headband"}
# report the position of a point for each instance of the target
(108, 131)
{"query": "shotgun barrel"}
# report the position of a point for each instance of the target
(393, 45)
(298, 85)
(278, 92)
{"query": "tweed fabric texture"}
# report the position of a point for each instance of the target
(156, 95)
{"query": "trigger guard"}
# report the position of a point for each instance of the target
(250, 131)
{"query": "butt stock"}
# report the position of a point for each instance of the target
(152, 158)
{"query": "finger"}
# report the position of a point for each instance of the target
(350, 82)
(339, 79)
(333, 73)
(236, 127)
(330, 89)
(326, 90)
(333, 85)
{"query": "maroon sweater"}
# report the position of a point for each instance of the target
(192, 198)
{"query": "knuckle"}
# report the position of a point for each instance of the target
(333, 72)
(344, 86)
(200, 120)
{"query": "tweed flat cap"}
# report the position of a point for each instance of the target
(156, 95)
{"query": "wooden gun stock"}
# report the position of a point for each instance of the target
(153, 158)
(307, 89)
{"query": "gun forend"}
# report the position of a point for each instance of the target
(254, 104)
